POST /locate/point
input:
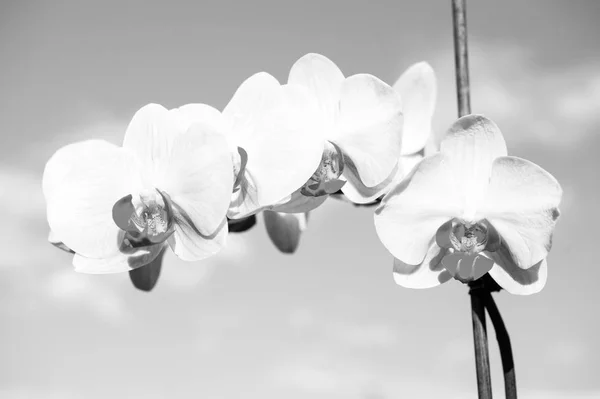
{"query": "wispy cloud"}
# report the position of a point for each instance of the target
(531, 102)
(78, 290)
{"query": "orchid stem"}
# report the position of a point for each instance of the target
(478, 294)
(508, 365)
(461, 56)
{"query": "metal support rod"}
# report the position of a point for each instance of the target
(461, 56)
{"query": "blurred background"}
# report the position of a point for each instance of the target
(328, 322)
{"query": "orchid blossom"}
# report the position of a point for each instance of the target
(417, 89)
(359, 120)
(117, 208)
(469, 210)
(275, 142)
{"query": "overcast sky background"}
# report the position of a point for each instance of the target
(328, 322)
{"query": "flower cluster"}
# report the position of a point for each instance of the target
(283, 149)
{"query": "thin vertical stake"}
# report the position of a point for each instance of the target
(461, 56)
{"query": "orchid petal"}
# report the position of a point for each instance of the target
(149, 137)
(408, 162)
(93, 176)
(190, 113)
(518, 281)
(244, 199)
(427, 274)
(285, 229)
(54, 240)
(411, 213)
(418, 90)
(119, 262)
(322, 78)
(298, 203)
(273, 124)
(358, 193)
(467, 267)
(369, 130)
(471, 145)
(189, 244)
(522, 204)
(145, 278)
(199, 177)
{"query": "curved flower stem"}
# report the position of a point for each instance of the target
(508, 365)
(479, 293)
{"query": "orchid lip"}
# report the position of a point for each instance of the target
(146, 219)
(464, 241)
(468, 237)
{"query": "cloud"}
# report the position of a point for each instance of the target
(530, 102)
(569, 353)
(320, 373)
(363, 335)
(33, 393)
(80, 290)
(348, 334)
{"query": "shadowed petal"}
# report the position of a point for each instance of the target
(241, 225)
(145, 278)
(522, 204)
(285, 229)
(429, 273)
(358, 193)
(54, 240)
(299, 203)
(189, 244)
(418, 89)
(82, 182)
(467, 267)
(518, 281)
(411, 213)
(369, 129)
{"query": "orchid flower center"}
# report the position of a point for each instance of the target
(326, 180)
(150, 216)
(463, 242)
(146, 218)
(468, 238)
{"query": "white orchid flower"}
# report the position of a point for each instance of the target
(359, 120)
(469, 210)
(117, 207)
(417, 88)
(272, 138)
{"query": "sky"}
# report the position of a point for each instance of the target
(329, 321)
